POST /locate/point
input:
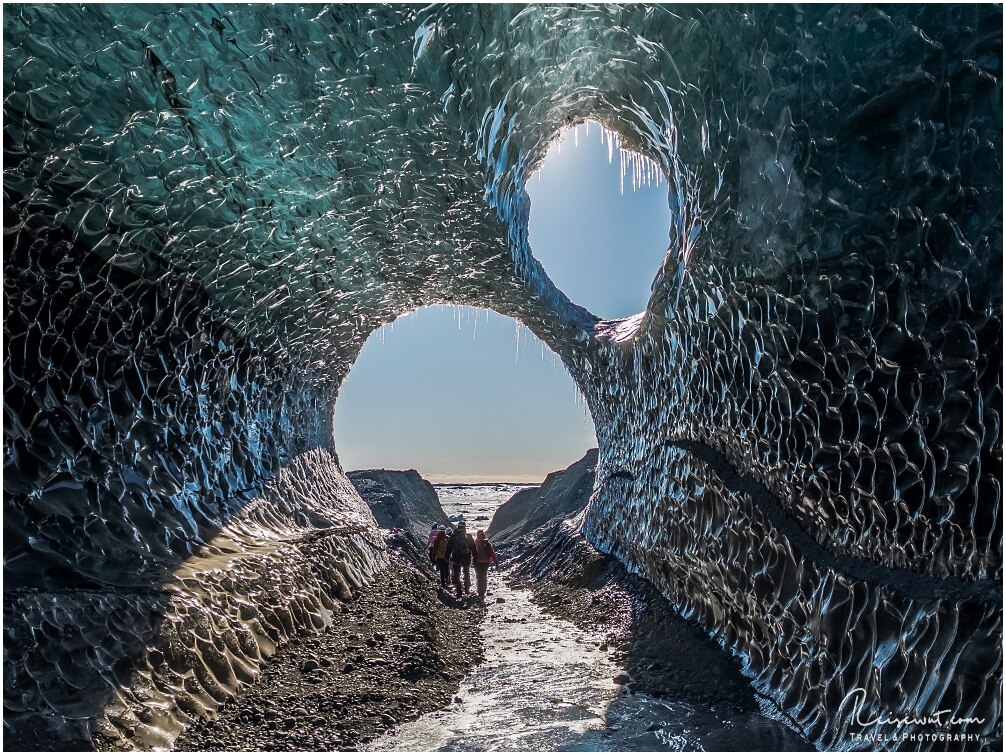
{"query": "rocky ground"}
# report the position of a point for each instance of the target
(399, 649)
(663, 655)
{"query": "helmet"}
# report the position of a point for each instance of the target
(450, 530)
(442, 528)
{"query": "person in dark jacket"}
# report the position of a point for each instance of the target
(440, 555)
(484, 556)
(459, 552)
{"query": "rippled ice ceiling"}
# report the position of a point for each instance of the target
(209, 208)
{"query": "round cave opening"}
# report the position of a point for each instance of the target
(599, 220)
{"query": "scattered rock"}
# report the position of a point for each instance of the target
(621, 678)
(295, 705)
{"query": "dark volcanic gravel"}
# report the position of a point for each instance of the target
(399, 650)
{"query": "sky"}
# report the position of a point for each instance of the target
(464, 395)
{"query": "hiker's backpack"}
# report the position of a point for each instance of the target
(461, 549)
(485, 552)
(440, 547)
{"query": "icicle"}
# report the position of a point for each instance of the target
(621, 165)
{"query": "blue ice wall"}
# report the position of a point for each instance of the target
(209, 208)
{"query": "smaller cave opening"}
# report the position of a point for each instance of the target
(599, 220)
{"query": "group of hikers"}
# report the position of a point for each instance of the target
(453, 551)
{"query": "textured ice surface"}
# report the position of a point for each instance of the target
(209, 208)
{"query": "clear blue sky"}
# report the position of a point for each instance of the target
(602, 248)
(459, 404)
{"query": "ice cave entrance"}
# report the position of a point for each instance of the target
(461, 395)
(599, 220)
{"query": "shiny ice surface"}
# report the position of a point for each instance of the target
(208, 209)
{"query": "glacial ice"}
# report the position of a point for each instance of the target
(209, 208)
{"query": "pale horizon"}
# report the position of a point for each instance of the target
(474, 479)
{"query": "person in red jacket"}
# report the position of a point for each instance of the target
(485, 556)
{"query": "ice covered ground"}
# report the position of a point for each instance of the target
(475, 503)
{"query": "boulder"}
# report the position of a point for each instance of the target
(562, 494)
(401, 499)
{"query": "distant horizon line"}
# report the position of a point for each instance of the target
(470, 483)
(445, 479)
(477, 479)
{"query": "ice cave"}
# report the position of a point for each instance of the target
(209, 208)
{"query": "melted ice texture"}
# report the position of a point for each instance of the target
(209, 209)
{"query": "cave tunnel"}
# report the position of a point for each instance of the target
(208, 209)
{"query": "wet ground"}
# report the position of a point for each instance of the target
(590, 659)
(604, 666)
(543, 684)
(546, 684)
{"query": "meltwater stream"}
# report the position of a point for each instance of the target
(546, 684)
